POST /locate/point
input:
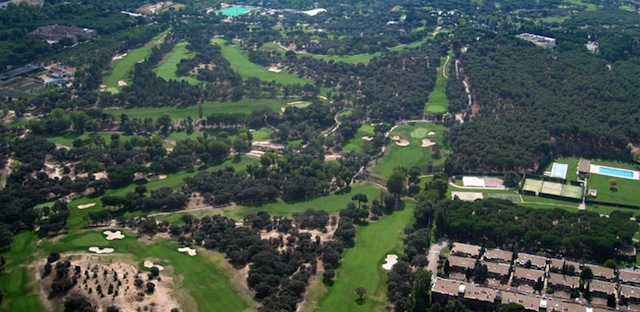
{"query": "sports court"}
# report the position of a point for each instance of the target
(467, 196)
(552, 188)
(483, 182)
(514, 198)
(559, 170)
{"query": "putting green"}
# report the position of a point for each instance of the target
(90, 239)
(419, 133)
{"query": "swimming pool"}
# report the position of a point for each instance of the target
(615, 172)
(235, 11)
(559, 170)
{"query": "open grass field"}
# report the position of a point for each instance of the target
(357, 143)
(349, 59)
(17, 282)
(412, 155)
(437, 101)
(121, 69)
(625, 192)
(262, 134)
(241, 64)
(169, 64)
(361, 266)
(208, 108)
(572, 174)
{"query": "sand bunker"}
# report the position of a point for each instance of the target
(101, 250)
(113, 235)
(148, 264)
(122, 83)
(85, 206)
(396, 138)
(274, 69)
(119, 56)
(402, 142)
(427, 143)
(367, 138)
(391, 260)
(190, 251)
(431, 133)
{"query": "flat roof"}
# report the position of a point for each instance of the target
(629, 276)
(602, 287)
(557, 263)
(601, 271)
(497, 268)
(461, 262)
(584, 165)
(629, 291)
(530, 303)
(537, 261)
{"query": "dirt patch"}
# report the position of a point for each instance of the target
(403, 143)
(101, 175)
(427, 143)
(119, 56)
(85, 206)
(106, 281)
(113, 235)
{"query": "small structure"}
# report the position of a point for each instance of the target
(540, 41)
(602, 289)
(584, 167)
(466, 250)
(602, 273)
(461, 264)
(629, 277)
(55, 33)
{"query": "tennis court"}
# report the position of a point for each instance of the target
(551, 188)
(559, 170)
(515, 198)
(532, 185)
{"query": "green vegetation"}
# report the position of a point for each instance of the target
(571, 171)
(17, 285)
(349, 59)
(262, 134)
(241, 64)
(169, 64)
(412, 155)
(356, 144)
(121, 69)
(438, 102)
(361, 265)
(624, 192)
(245, 105)
(68, 138)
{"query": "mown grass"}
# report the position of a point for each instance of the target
(349, 59)
(262, 134)
(572, 162)
(245, 68)
(437, 101)
(412, 155)
(169, 64)
(17, 282)
(67, 139)
(121, 69)
(245, 105)
(356, 144)
(624, 192)
(361, 265)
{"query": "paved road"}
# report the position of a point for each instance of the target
(433, 256)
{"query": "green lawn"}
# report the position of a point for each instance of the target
(412, 155)
(241, 64)
(437, 101)
(169, 64)
(361, 265)
(16, 283)
(625, 192)
(68, 138)
(262, 134)
(121, 69)
(357, 143)
(572, 174)
(245, 105)
(349, 59)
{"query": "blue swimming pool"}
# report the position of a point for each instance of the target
(616, 172)
(559, 170)
(235, 11)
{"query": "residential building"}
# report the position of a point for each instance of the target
(527, 276)
(629, 277)
(556, 265)
(497, 270)
(602, 289)
(602, 273)
(466, 250)
(461, 264)
(476, 298)
(629, 294)
(537, 262)
(498, 255)
(563, 282)
(529, 302)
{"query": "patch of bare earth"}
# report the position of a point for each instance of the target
(107, 281)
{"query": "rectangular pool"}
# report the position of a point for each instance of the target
(235, 11)
(615, 172)
(559, 170)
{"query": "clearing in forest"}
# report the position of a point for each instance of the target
(169, 65)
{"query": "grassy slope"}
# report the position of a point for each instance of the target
(409, 156)
(361, 265)
(16, 283)
(208, 108)
(437, 101)
(169, 64)
(122, 68)
(241, 64)
(357, 143)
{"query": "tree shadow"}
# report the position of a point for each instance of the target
(345, 190)
(613, 189)
(361, 301)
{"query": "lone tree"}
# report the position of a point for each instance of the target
(361, 198)
(361, 291)
(613, 183)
